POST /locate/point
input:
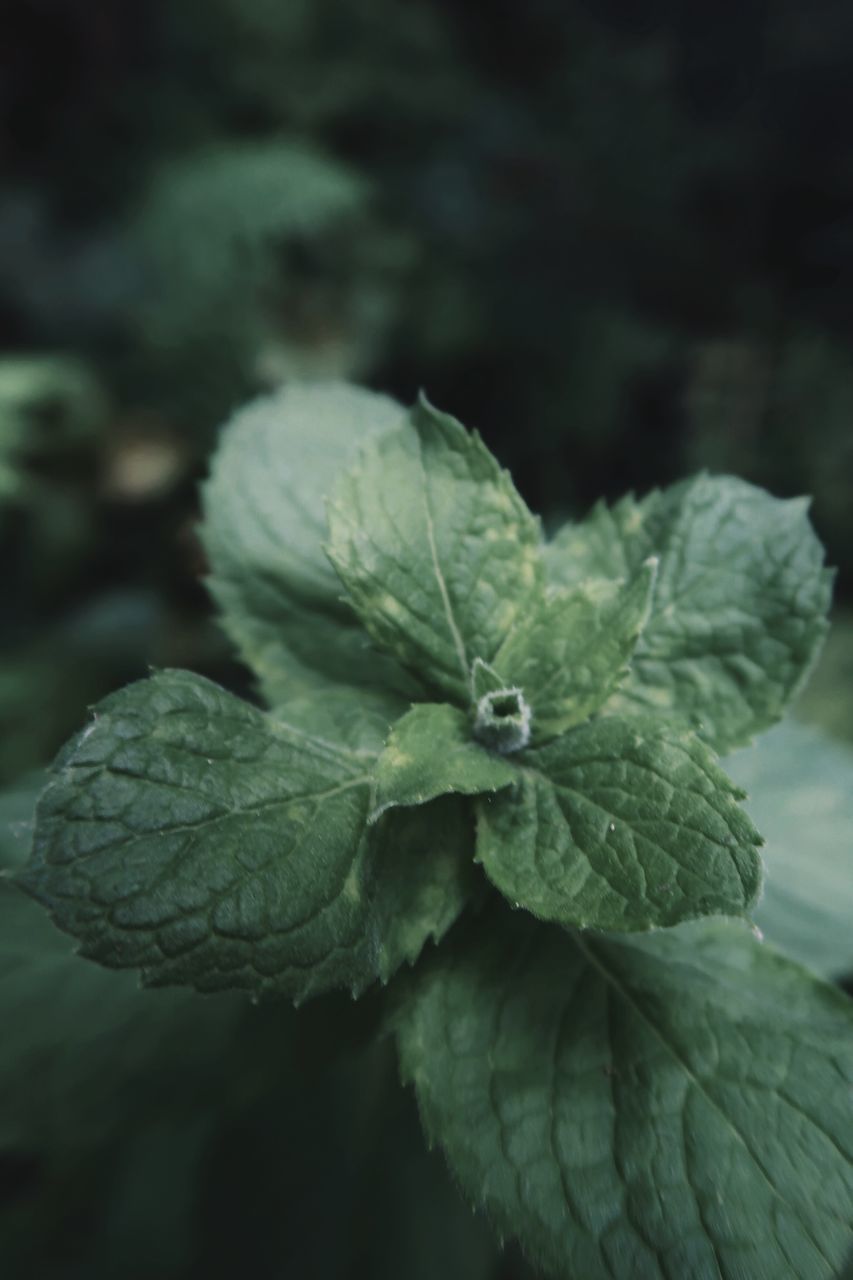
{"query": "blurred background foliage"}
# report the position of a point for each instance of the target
(616, 238)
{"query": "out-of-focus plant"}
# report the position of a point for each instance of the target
(261, 262)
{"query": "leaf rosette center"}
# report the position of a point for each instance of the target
(502, 720)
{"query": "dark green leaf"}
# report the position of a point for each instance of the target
(739, 608)
(621, 824)
(189, 835)
(677, 1106)
(17, 818)
(77, 1039)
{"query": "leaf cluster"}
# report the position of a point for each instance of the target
(464, 718)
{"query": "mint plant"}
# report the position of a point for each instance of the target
(505, 746)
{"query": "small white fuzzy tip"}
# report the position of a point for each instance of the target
(502, 720)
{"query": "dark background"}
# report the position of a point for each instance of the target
(617, 238)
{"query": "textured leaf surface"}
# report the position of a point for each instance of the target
(265, 524)
(621, 825)
(357, 719)
(569, 652)
(739, 606)
(800, 786)
(437, 551)
(430, 753)
(673, 1108)
(190, 836)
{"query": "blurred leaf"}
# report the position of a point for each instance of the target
(265, 529)
(828, 697)
(17, 818)
(213, 220)
(78, 1040)
(47, 684)
(800, 786)
(236, 281)
(48, 405)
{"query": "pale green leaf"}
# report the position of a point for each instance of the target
(431, 752)
(570, 651)
(359, 719)
(827, 699)
(800, 785)
(739, 606)
(264, 527)
(437, 551)
(676, 1107)
(484, 680)
(189, 835)
(624, 825)
(611, 542)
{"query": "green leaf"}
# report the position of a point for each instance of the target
(827, 700)
(77, 1040)
(359, 719)
(484, 680)
(437, 551)
(800, 786)
(189, 835)
(739, 607)
(17, 818)
(263, 532)
(431, 753)
(624, 825)
(673, 1106)
(569, 652)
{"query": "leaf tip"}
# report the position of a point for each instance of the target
(376, 813)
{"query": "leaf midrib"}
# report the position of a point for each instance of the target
(455, 633)
(587, 949)
(539, 776)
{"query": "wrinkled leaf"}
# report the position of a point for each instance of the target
(673, 1106)
(739, 608)
(571, 651)
(190, 836)
(621, 825)
(437, 551)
